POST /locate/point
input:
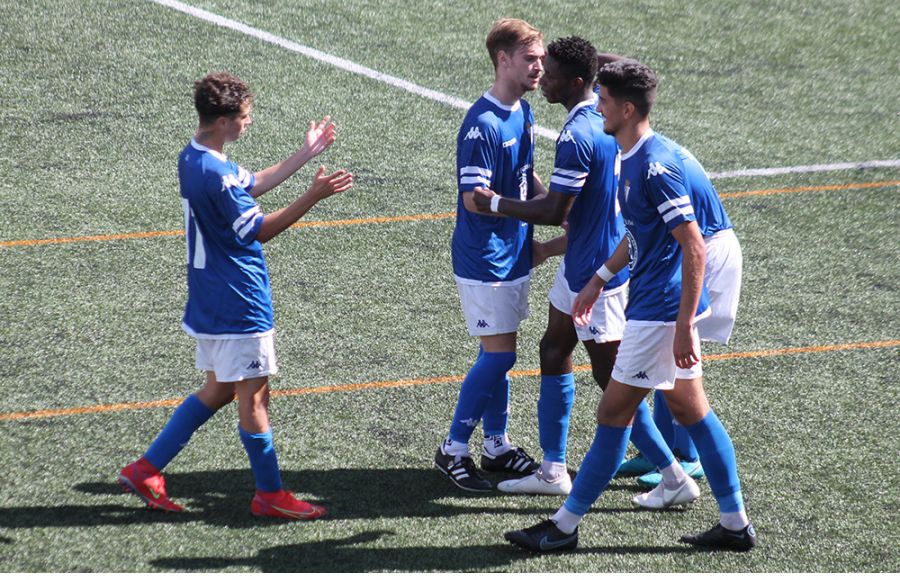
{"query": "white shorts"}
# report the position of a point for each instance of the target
(237, 359)
(722, 277)
(493, 309)
(645, 357)
(607, 316)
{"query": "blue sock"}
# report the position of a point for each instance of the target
(190, 415)
(263, 461)
(496, 415)
(554, 408)
(662, 416)
(597, 469)
(477, 389)
(719, 463)
(648, 440)
(684, 445)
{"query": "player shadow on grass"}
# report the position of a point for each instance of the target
(360, 553)
(222, 498)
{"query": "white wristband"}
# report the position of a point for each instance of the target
(495, 204)
(605, 273)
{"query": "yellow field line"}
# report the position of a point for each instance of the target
(410, 218)
(424, 381)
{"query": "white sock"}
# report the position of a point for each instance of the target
(734, 521)
(552, 470)
(673, 476)
(455, 448)
(566, 521)
(495, 445)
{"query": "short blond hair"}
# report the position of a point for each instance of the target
(508, 34)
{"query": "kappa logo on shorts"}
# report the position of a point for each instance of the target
(255, 365)
(482, 324)
(469, 422)
(593, 330)
(641, 375)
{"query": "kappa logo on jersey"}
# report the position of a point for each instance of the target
(474, 133)
(641, 375)
(656, 168)
(255, 365)
(566, 136)
(482, 324)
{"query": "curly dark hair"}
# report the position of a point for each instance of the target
(576, 57)
(631, 81)
(220, 94)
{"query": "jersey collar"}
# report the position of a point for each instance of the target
(216, 154)
(638, 145)
(487, 95)
(588, 103)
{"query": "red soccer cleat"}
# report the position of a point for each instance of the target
(146, 482)
(283, 504)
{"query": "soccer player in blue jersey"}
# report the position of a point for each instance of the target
(581, 191)
(229, 306)
(665, 253)
(492, 255)
(722, 277)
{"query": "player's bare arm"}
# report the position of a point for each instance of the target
(549, 209)
(692, 265)
(319, 137)
(322, 186)
(540, 251)
(584, 301)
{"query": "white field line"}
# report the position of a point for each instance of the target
(415, 89)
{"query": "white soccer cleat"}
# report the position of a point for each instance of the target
(661, 498)
(535, 484)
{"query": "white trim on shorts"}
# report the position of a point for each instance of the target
(607, 315)
(491, 309)
(645, 359)
(237, 359)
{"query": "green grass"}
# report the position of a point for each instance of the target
(95, 103)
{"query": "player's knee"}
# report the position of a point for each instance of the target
(553, 357)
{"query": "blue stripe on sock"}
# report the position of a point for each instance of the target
(554, 408)
(597, 469)
(481, 382)
(263, 460)
(717, 457)
(648, 440)
(190, 415)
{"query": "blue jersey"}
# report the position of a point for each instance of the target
(708, 208)
(655, 199)
(587, 167)
(228, 283)
(494, 149)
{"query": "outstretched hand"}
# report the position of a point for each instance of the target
(320, 136)
(327, 185)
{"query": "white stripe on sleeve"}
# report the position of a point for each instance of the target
(473, 170)
(242, 219)
(685, 210)
(678, 201)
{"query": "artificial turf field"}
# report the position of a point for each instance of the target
(95, 101)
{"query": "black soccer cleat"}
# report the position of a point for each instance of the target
(720, 538)
(543, 537)
(513, 461)
(461, 471)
